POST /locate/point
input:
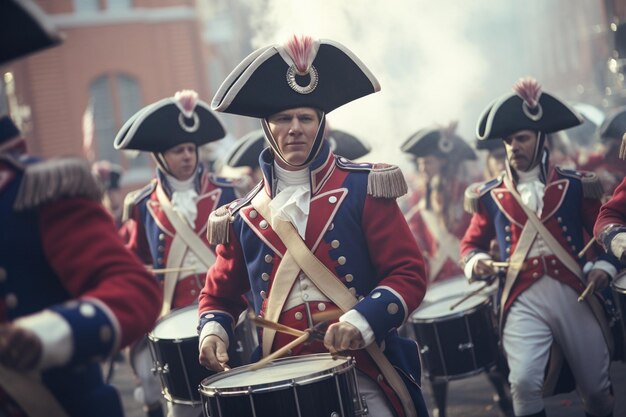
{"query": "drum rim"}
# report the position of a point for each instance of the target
(452, 315)
(346, 365)
(621, 290)
(161, 320)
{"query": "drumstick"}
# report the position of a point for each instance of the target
(328, 315)
(469, 295)
(259, 321)
(497, 264)
(280, 352)
(588, 290)
(586, 248)
(177, 269)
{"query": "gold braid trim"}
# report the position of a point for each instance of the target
(48, 181)
(217, 227)
(592, 187)
(471, 197)
(386, 181)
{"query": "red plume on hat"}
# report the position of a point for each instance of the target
(301, 51)
(530, 91)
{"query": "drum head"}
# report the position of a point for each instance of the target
(297, 370)
(441, 309)
(453, 286)
(179, 324)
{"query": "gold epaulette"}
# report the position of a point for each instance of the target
(217, 226)
(386, 181)
(48, 181)
(592, 187)
(470, 198)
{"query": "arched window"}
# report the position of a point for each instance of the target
(114, 99)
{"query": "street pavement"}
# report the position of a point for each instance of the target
(469, 397)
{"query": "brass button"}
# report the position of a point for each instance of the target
(263, 294)
(535, 262)
(87, 310)
(263, 224)
(265, 276)
(392, 308)
(535, 275)
(341, 260)
(349, 277)
(321, 306)
(376, 295)
(298, 315)
(269, 258)
(352, 290)
(334, 244)
(332, 226)
(253, 214)
(332, 199)
(161, 236)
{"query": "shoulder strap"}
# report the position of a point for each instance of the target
(332, 288)
(30, 394)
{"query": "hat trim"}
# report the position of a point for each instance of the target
(370, 76)
(231, 86)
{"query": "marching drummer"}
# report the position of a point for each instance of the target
(610, 227)
(315, 211)
(539, 215)
(165, 220)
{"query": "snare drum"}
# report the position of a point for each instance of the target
(174, 348)
(453, 286)
(305, 386)
(456, 343)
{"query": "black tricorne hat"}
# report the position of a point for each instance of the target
(438, 141)
(170, 122)
(488, 145)
(347, 145)
(24, 29)
(614, 125)
(527, 108)
(246, 150)
(322, 74)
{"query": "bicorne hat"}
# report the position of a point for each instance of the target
(170, 122)
(322, 74)
(614, 125)
(24, 29)
(246, 150)
(527, 108)
(442, 142)
(346, 145)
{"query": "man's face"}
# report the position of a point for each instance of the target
(520, 149)
(182, 160)
(429, 165)
(294, 131)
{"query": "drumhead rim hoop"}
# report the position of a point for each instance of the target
(345, 364)
(619, 278)
(453, 314)
(177, 312)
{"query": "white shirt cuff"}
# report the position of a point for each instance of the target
(468, 270)
(618, 244)
(606, 267)
(213, 328)
(356, 319)
(55, 335)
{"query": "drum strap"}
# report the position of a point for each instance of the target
(334, 289)
(30, 394)
(565, 258)
(185, 239)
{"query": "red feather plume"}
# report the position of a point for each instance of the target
(529, 90)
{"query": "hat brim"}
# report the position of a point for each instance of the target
(426, 142)
(24, 29)
(246, 151)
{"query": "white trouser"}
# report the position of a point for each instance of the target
(181, 410)
(549, 311)
(149, 393)
(375, 398)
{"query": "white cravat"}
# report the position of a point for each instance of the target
(292, 199)
(184, 198)
(531, 189)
